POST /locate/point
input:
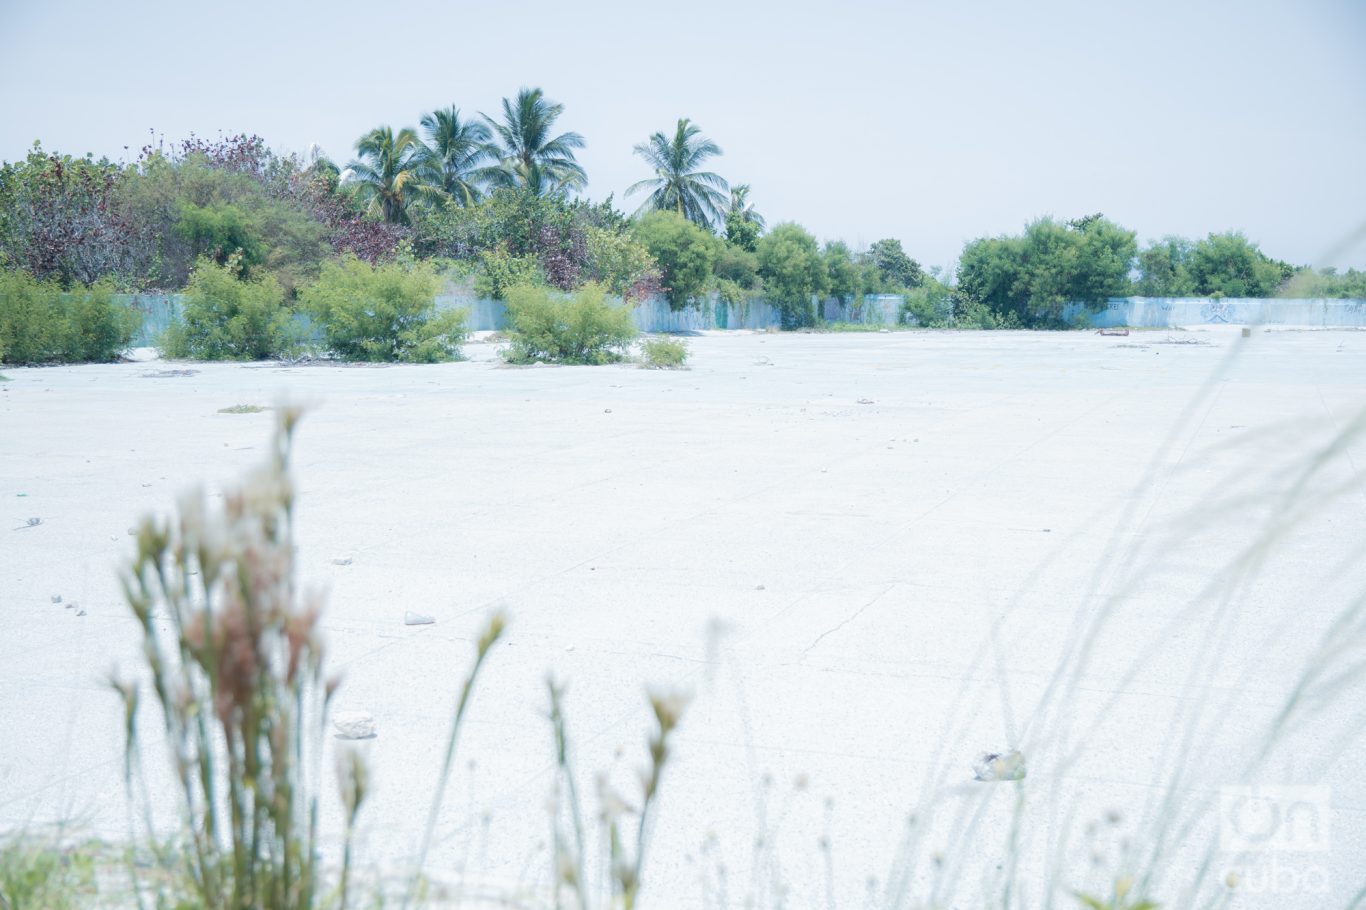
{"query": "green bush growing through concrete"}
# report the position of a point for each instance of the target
(41, 323)
(582, 328)
(663, 354)
(385, 313)
(226, 317)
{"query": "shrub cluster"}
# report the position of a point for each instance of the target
(41, 323)
(226, 317)
(663, 354)
(582, 328)
(383, 313)
(928, 306)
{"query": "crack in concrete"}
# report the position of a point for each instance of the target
(856, 614)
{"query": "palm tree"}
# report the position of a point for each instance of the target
(678, 185)
(388, 172)
(741, 207)
(454, 151)
(528, 156)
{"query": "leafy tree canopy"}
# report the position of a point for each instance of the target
(895, 268)
(793, 271)
(685, 254)
(1028, 278)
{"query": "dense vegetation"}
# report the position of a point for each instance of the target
(586, 328)
(495, 202)
(42, 323)
(228, 317)
(383, 312)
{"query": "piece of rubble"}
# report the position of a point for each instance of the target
(417, 619)
(997, 766)
(354, 724)
(342, 561)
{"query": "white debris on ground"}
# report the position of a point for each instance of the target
(997, 766)
(354, 724)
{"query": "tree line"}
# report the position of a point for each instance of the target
(497, 201)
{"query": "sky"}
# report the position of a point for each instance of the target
(935, 123)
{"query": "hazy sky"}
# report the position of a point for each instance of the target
(934, 123)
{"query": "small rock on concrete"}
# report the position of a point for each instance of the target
(80, 612)
(342, 561)
(417, 619)
(56, 598)
(996, 766)
(866, 401)
(354, 724)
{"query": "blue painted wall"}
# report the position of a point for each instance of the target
(654, 315)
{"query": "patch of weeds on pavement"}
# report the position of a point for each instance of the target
(243, 409)
(863, 327)
(663, 354)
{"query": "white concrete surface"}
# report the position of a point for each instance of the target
(899, 581)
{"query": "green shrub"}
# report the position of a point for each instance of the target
(500, 270)
(793, 271)
(225, 317)
(663, 354)
(969, 314)
(685, 254)
(585, 328)
(384, 313)
(930, 307)
(41, 323)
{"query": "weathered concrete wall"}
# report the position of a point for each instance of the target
(655, 315)
(1157, 312)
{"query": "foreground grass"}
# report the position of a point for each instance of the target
(42, 873)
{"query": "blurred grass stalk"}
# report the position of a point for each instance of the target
(236, 663)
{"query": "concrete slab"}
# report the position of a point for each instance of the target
(907, 538)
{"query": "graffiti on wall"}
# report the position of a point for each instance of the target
(1216, 311)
